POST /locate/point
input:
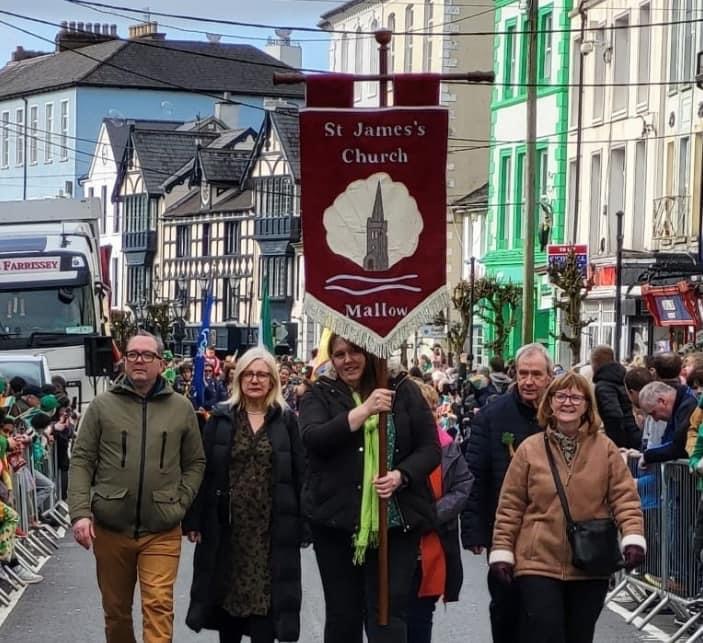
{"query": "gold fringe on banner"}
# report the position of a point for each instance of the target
(357, 333)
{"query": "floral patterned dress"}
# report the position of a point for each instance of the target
(251, 503)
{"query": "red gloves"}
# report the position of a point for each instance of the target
(503, 572)
(634, 556)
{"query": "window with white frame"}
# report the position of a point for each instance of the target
(391, 58)
(49, 132)
(643, 55)
(33, 133)
(640, 201)
(575, 74)
(358, 61)
(621, 64)
(427, 40)
(594, 215)
(616, 192)
(19, 137)
(599, 74)
(373, 59)
(344, 52)
(547, 40)
(63, 130)
(682, 223)
(688, 34)
(674, 43)
(408, 54)
(572, 200)
(5, 144)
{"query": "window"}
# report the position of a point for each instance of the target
(33, 126)
(391, 58)
(231, 295)
(273, 196)
(522, 89)
(63, 127)
(688, 31)
(616, 192)
(279, 271)
(681, 225)
(408, 55)
(373, 59)
(520, 176)
(427, 40)
(575, 74)
(545, 46)
(116, 217)
(344, 53)
(572, 202)
(103, 204)
(510, 64)
(49, 131)
(542, 186)
(595, 203)
(645, 35)
(205, 241)
(599, 74)
(503, 199)
(138, 283)
(621, 67)
(5, 144)
(674, 43)
(640, 202)
(358, 61)
(233, 237)
(114, 281)
(182, 241)
(19, 137)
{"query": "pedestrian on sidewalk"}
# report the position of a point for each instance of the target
(495, 434)
(560, 602)
(136, 467)
(339, 419)
(246, 519)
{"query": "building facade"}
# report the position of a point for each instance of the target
(504, 257)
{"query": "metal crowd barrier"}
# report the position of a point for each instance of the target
(34, 545)
(669, 581)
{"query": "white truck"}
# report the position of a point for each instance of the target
(52, 296)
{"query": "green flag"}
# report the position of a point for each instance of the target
(265, 334)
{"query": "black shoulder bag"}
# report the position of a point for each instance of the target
(594, 543)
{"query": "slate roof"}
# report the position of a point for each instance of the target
(118, 131)
(287, 124)
(476, 200)
(324, 18)
(169, 64)
(161, 153)
(190, 204)
(223, 166)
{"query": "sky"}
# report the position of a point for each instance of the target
(291, 13)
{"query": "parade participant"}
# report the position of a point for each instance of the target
(136, 466)
(614, 405)
(560, 601)
(439, 570)
(288, 387)
(246, 518)
(339, 423)
(495, 434)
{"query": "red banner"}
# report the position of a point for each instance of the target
(374, 220)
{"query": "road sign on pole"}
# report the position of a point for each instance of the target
(557, 254)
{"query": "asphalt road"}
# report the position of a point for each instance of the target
(66, 606)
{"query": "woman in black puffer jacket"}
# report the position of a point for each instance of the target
(338, 420)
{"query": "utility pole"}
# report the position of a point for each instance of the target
(528, 281)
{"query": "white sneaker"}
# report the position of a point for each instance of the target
(27, 576)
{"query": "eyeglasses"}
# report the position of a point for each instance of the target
(146, 356)
(259, 375)
(574, 398)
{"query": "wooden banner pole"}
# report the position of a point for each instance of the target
(383, 38)
(294, 77)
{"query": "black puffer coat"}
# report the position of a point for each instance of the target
(615, 407)
(336, 455)
(210, 516)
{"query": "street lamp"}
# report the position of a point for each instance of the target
(140, 312)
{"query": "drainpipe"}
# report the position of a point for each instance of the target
(579, 119)
(24, 153)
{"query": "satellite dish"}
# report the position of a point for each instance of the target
(283, 34)
(214, 37)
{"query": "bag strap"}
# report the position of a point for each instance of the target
(557, 482)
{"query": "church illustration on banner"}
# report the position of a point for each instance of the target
(375, 223)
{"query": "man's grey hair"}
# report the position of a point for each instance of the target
(157, 340)
(534, 349)
(651, 392)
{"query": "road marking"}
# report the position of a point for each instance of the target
(652, 631)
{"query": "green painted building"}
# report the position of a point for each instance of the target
(505, 229)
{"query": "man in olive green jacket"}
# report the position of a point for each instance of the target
(136, 467)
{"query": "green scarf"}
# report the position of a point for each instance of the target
(367, 534)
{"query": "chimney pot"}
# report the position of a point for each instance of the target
(89, 26)
(72, 25)
(64, 25)
(80, 26)
(106, 29)
(113, 30)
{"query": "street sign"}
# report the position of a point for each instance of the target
(557, 254)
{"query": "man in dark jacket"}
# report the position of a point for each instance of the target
(495, 432)
(614, 405)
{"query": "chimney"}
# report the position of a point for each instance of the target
(74, 35)
(284, 49)
(146, 31)
(21, 53)
(227, 112)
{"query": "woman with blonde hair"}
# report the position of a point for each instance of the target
(561, 592)
(246, 517)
